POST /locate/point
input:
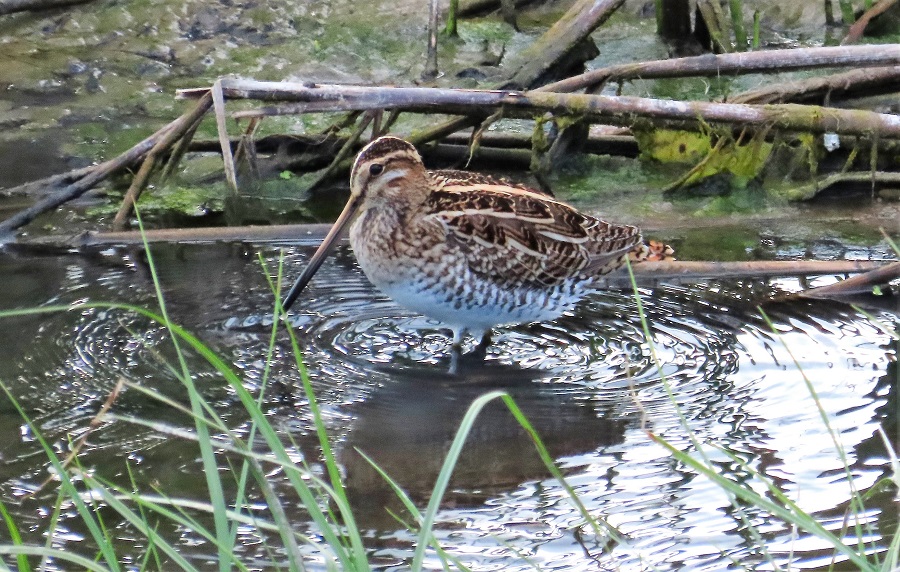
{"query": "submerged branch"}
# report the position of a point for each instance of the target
(860, 284)
(312, 235)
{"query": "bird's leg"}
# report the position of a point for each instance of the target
(459, 333)
(484, 342)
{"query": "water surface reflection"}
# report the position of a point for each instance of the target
(589, 382)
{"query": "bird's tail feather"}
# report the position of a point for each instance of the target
(651, 250)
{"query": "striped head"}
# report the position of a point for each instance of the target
(388, 170)
(387, 173)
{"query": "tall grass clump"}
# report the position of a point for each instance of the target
(863, 555)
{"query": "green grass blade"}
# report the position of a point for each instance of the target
(140, 524)
(58, 554)
(399, 492)
(207, 454)
(88, 518)
(16, 538)
(443, 479)
(260, 398)
(803, 520)
(554, 470)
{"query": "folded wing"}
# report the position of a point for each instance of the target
(516, 236)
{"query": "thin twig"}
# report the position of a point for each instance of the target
(139, 182)
(865, 81)
(219, 107)
(48, 183)
(178, 151)
(345, 151)
(95, 422)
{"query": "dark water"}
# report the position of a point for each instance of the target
(587, 381)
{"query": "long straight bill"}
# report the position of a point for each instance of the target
(322, 253)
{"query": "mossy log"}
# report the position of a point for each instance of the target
(595, 108)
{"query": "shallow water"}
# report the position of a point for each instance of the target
(387, 387)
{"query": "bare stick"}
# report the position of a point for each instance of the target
(431, 65)
(178, 151)
(856, 30)
(101, 171)
(48, 183)
(139, 182)
(596, 108)
(219, 106)
(753, 268)
(737, 63)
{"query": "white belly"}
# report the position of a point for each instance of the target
(478, 309)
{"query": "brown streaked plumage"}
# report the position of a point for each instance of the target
(469, 250)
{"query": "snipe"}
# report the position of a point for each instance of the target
(468, 250)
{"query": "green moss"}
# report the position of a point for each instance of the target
(484, 30)
(708, 154)
(261, 16)
(745, 201)
(725, 243)
(673, 146)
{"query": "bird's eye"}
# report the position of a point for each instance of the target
(376, 169)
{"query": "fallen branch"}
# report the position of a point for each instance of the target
(51, 182)
(859, 27)
(860, 284)
(99, 173)
(548, 52)
(870, 81)
(873, 178)
(754, 268)
(595, 108)
(736, 64)
(312, 235)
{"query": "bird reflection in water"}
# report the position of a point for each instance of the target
(406, 427)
